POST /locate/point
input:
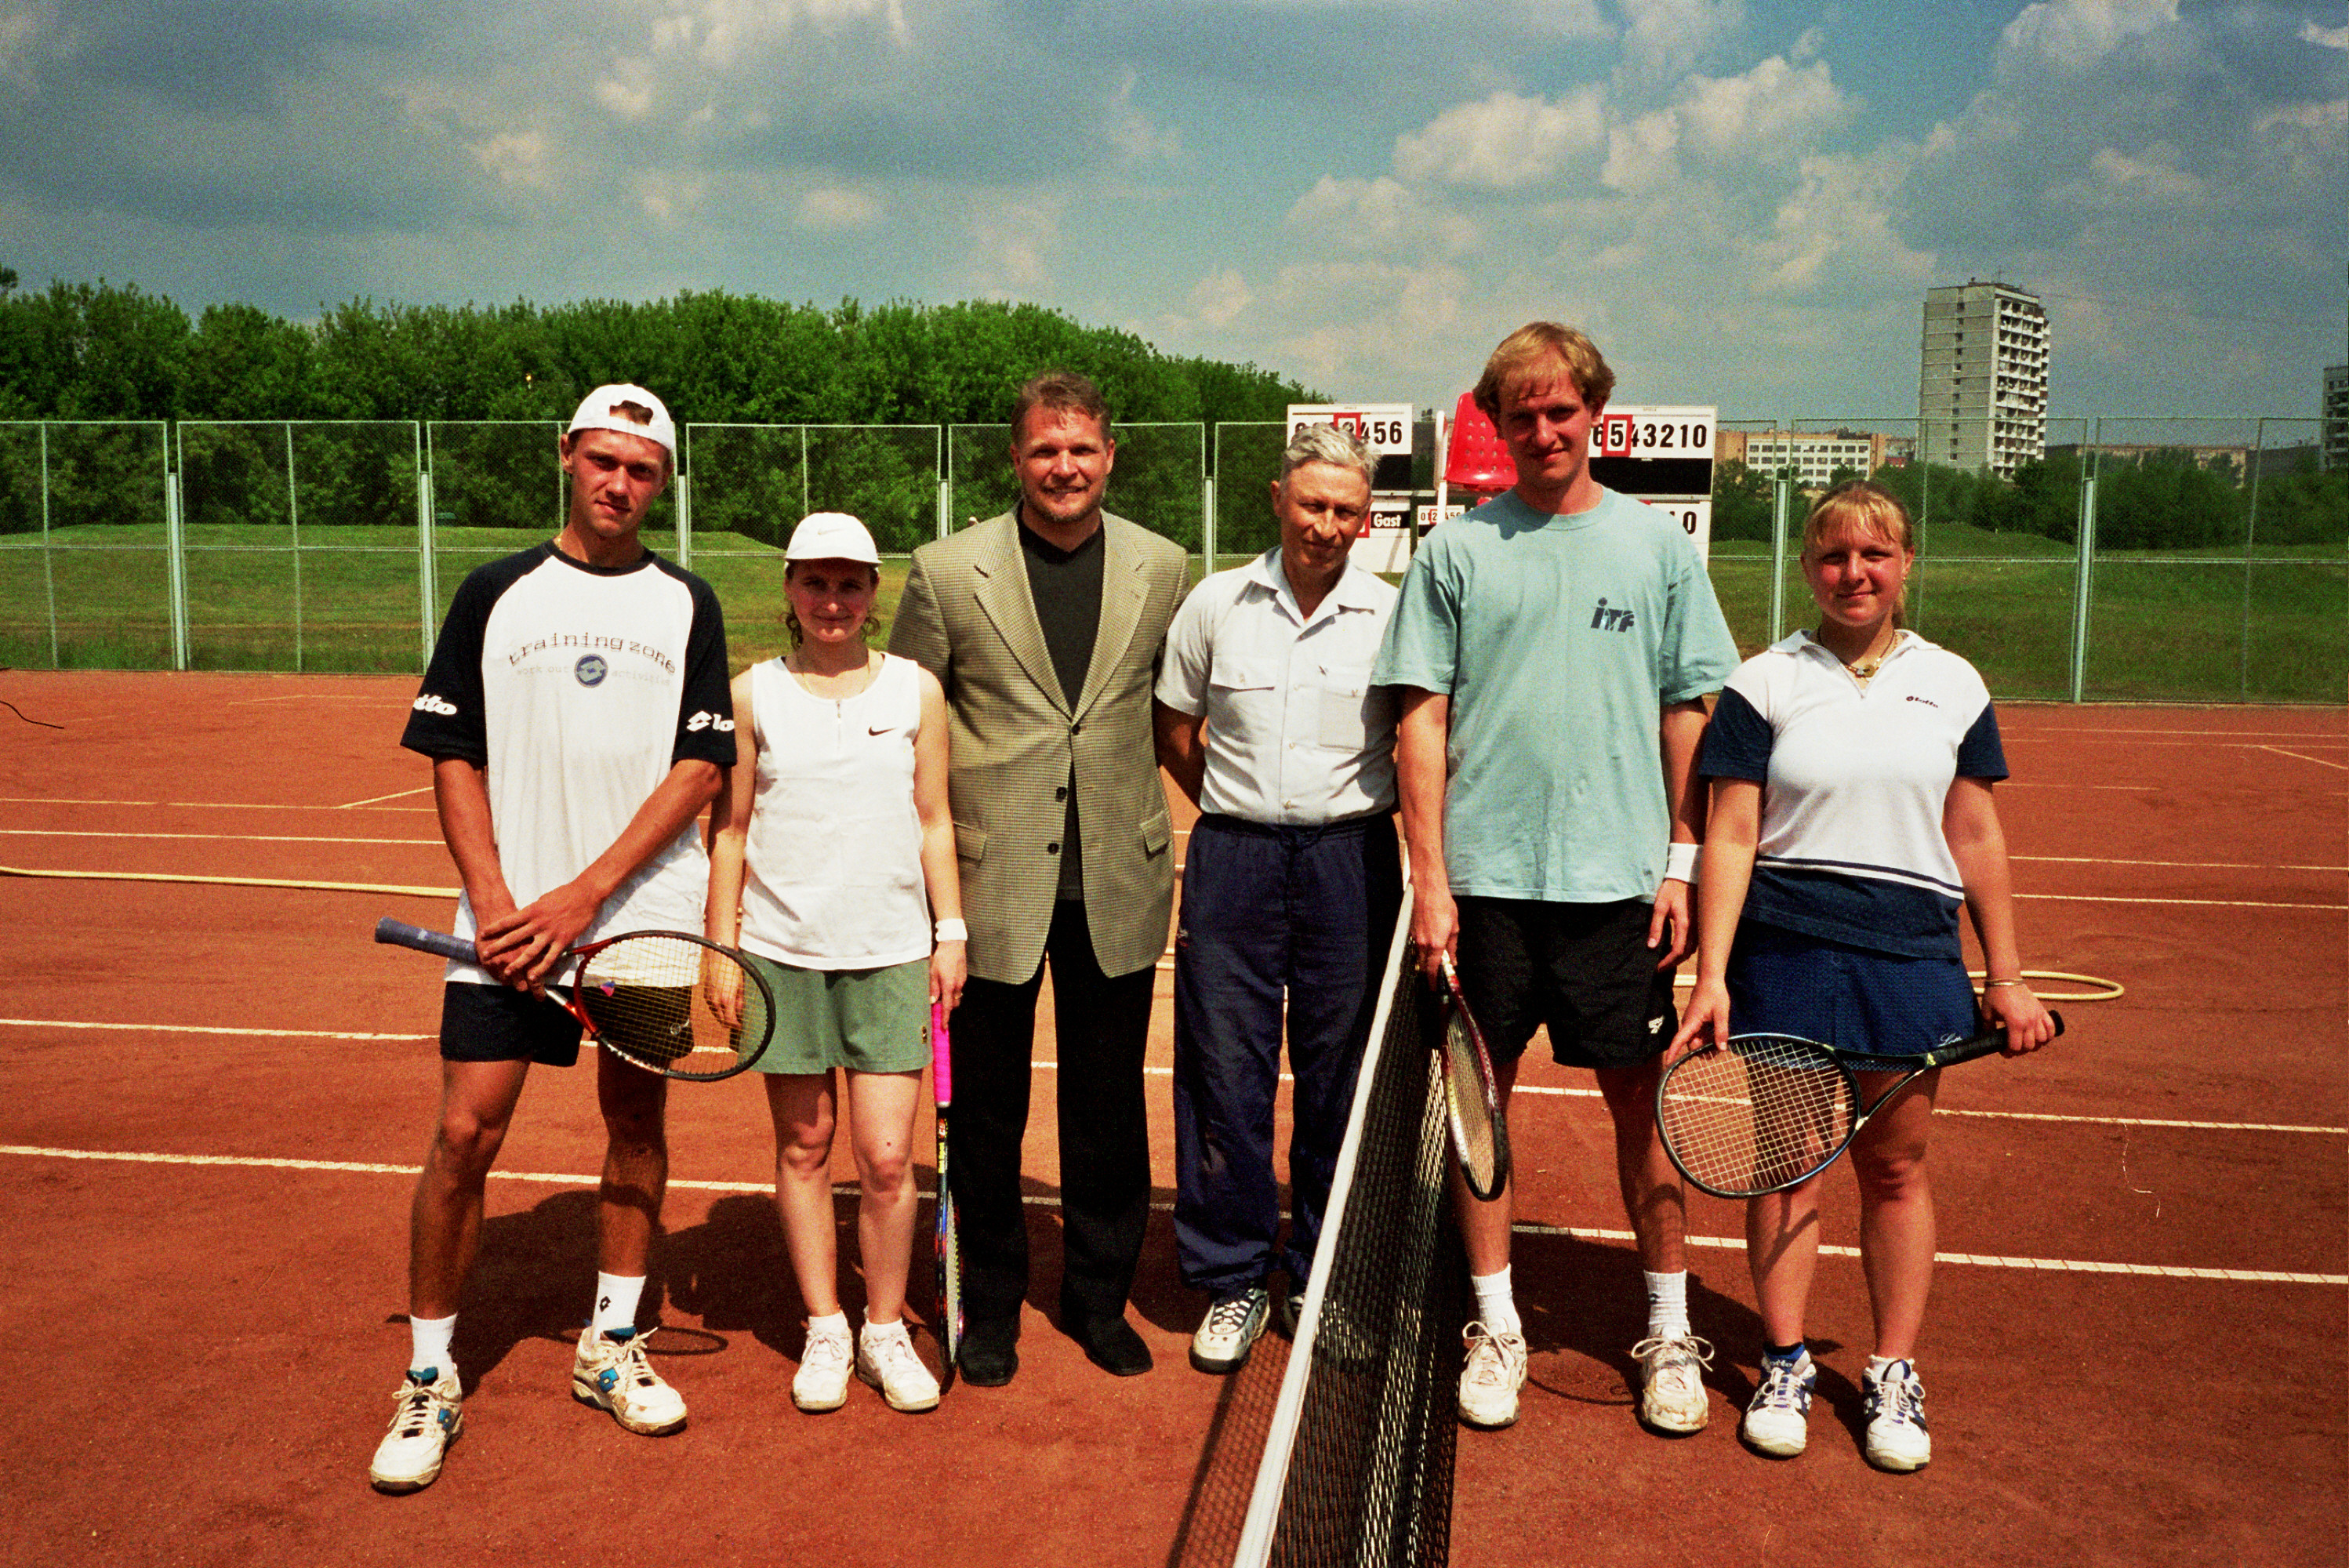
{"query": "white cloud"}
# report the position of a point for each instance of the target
(1376, 214)
(2074, 35)
(1662, 39)
(1218, 298)
(667, 196)
(1504, 142)
(626, 94)
(1775, 109)
(22, 25)
(1012, 244)
(2324, 37)
(522, 158)
(1641, 153)
(836, 208)
(1135, 134)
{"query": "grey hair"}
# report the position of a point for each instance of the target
(1326, 444)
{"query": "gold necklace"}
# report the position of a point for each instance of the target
(1864, 670)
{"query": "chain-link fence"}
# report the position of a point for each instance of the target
(2171, 560)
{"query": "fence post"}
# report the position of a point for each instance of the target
(2250, 540)
(425, 588)
(1778, 496)
(2084, 575)
(175, 559)
(48, 563)
(294, 529)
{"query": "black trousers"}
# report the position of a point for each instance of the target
(1101, 1027)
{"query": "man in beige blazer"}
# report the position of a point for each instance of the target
(1044, 625)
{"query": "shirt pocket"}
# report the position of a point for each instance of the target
(1351, 708)
(1244, 700)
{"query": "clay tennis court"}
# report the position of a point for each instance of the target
(216, 1096)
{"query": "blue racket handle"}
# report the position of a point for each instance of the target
(400, 934)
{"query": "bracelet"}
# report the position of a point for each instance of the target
(1679, 862)
(953, 931)
(1993, 984)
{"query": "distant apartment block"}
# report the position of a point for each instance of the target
(1813, 455)
(2336, 417)
(1981, 383)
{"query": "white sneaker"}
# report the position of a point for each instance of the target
(886, 1358)
(1778, 1420)
(426, 1419)
(1489, 1383)
(1897, 1437)
(1230, 1331)
(612, 1374)
(822, 1382)
(1672, 1398)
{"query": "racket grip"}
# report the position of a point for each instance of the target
(941, 1055)
(400, 934)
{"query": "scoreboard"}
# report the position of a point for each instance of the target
(1663, 455)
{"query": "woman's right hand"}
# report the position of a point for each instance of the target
(1704, 1021)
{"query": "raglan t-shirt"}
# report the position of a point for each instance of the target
(1853, 782)
(1558, 639)
(578, 688)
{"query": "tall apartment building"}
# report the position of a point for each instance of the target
(2336, 417)
(1981, 383)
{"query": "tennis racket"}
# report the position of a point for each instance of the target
(1472, 1099)
(669, 1003)
(949, 1262)
(1761, 1113)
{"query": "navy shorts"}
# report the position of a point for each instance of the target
(1880, 1004)
(499, 1024)
(1585, 970)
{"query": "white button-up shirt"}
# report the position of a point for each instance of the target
(1296, 734)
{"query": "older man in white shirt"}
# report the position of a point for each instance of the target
(1267, 719)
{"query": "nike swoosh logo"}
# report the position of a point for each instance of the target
(882, 730)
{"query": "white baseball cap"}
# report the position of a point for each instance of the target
(832, 536)
(606, 408)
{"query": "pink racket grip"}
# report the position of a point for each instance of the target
(941, 1056)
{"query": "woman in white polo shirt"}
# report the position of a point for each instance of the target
(1851, 819)
(832, 856)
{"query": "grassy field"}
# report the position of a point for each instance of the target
(2197, 625)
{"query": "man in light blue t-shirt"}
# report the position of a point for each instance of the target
(1553, 647)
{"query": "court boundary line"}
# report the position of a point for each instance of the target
(232, 837)
(2296, 757)
(1040, 1200)
(207, 805)
(1040, 1064)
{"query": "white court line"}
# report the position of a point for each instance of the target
(199, 805)
(2205, 902)
(378, 799)
(238, 838)
(2174, 865)
(1042, 1065)
(1978, 1259)
(2296, 757)
(2026, 732)
(207, 1029)
(2065, 1266)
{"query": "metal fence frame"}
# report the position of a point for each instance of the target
(1234, 463)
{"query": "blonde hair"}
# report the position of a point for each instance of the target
(1863, 506)
(1529, 346)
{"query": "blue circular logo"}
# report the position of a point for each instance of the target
(591, 669)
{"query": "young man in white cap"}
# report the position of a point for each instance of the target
(577, 718)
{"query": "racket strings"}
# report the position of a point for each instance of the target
(1756, 1115)
(673, 1003)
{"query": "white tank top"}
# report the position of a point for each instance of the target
(833, 873)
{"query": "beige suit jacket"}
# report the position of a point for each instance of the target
(968, 617)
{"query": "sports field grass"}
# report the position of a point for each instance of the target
(2170, 626)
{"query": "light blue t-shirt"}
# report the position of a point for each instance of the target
(1558, 640)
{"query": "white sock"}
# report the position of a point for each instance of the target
(615, 1302)
(1668, 1305)
(834, 1323)
(430, 1337)
(1495, 1306)
(1877, 1364)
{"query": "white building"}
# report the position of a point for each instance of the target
(2335, 438)
(1981, 384)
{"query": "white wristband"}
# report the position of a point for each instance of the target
(1679, 862)
(953, 931)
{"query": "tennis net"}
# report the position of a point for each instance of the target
(1357, 1467)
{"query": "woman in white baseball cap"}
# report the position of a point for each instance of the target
(833, 867)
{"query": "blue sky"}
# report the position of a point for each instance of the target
(1743, 202)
